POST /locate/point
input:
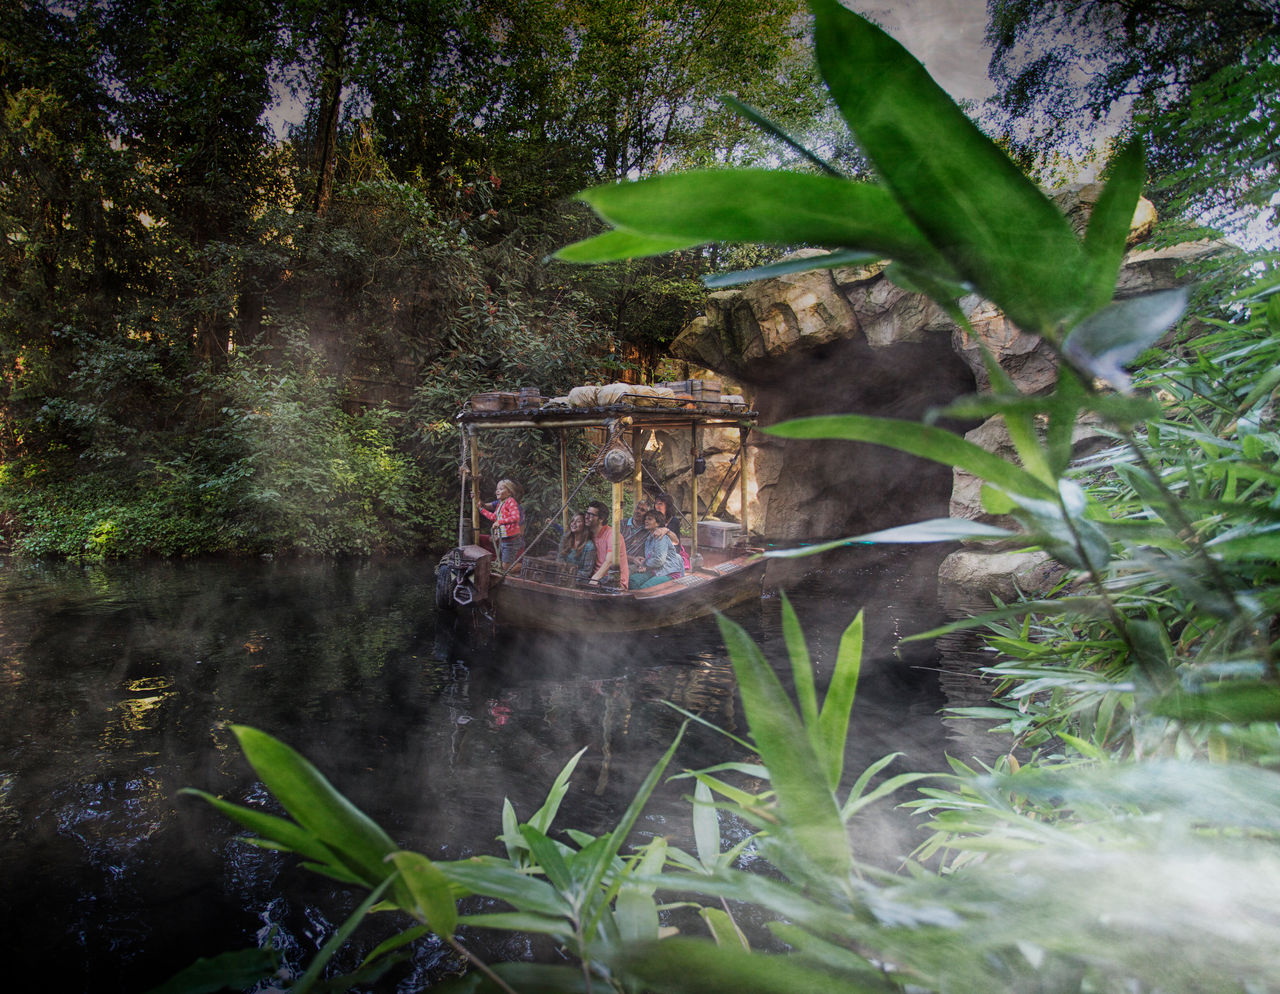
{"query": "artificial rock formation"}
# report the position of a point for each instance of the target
(846, 340)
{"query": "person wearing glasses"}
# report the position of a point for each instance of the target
(633, 532)
(602, 534)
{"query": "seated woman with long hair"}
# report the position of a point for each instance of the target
(577, 548)
(660, 562)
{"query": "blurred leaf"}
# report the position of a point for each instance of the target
(636, 914)
(724, 930)
(992, 223)
(236, 970)
(918, 440)
(1107, 340)
(622, 243)
(786, 267)
(1240, 702)
(768, 206)
(834, 957)
(767, 126)
(1108, 231)
(934, 530)
(527, 978)
(699, 967)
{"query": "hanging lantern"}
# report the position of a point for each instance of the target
(617, 463)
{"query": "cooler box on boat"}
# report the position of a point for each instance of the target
(718, 534)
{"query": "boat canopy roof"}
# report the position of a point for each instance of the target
(638, 411)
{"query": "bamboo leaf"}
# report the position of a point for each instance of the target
(276, 833)
(1239, 702)
(527, 978)
(856, 803)
(314, 803)
(594, 871)
(837, 706)
(429, 888)
(636, 914)
(917, 440)
(991, 222)
(406, 937)
(520, 921)
(543, 817)
(768, 206)
(340, 937)
(1108, 231)
(547, 856)
(808, 808)
(622, 243)
(835, 957)
(699, 967)
(490, 878)
(724, 929)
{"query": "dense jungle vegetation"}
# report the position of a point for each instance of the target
(223, 220)
(1127, 842)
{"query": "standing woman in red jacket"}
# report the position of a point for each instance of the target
(508, 521)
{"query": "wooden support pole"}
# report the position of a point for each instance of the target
(616, 511)
(693, 511)
(475, 487)
(564, 482)
(744, 470)
(637, 453)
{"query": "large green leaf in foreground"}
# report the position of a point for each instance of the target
(756, 205)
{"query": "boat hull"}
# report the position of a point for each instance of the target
(523, 603)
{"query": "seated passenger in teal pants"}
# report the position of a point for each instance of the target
(661, 560)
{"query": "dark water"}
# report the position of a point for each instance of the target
(119, 683)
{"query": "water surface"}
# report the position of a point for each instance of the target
(119, 683)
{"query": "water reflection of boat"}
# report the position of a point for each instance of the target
(539, 593)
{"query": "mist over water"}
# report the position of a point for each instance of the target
(118, 683)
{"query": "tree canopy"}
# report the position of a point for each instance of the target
(1196, 78)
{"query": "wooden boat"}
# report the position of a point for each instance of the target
(541, 593)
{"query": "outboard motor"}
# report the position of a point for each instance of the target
(462, 577)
